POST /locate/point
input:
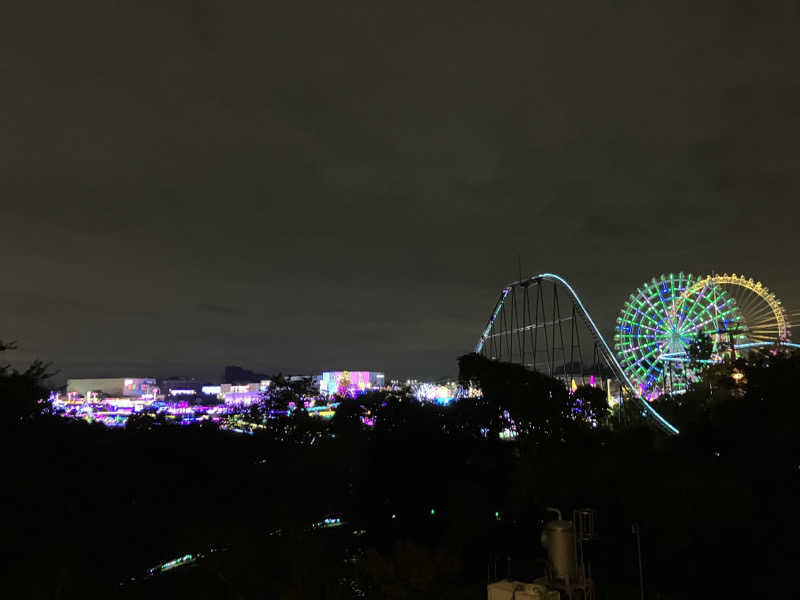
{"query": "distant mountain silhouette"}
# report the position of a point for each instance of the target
(236, 375)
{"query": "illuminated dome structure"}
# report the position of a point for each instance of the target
(660, 321)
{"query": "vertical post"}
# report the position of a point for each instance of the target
(512, 320)
(553, 332)
(544, 330)
(639, 555)
(535, 329)
(561, 335)
(524, 321)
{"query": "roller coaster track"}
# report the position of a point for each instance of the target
(608, 356)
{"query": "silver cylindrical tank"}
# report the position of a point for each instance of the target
(558, 538)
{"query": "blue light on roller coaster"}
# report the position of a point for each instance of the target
(765, 344)
(496, 312)
(652, 412)
(598, 335)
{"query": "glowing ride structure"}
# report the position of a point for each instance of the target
(662, 319)
(541, 323)
(658, 323)
(765, 319)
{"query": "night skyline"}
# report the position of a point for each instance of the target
(190, 188)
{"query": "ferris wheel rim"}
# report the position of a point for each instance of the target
(779, 315)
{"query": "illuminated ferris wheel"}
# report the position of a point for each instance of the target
(659, 322)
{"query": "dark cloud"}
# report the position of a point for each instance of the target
(297, 185)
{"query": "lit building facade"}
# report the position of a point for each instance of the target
(245, 393)
(349, 383)
(120, 387)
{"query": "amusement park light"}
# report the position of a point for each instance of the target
(658, 323)
(578, 305)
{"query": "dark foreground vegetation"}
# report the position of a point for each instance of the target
(432, 502)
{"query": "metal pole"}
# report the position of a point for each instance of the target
(639, 554)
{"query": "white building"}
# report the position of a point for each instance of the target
(245, 393)
(118, 387)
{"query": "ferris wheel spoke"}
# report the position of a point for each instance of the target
(699, 305)
(716, 318)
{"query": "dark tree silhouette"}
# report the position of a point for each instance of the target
(590, 405)
(538, 405)
(23, 393)
(700, 349)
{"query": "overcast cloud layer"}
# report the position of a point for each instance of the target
(295, 186)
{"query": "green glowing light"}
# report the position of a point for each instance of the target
(657, 324)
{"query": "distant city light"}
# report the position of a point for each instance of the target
(181, 392)
(349, 383)
(434, 392)
(113, 401)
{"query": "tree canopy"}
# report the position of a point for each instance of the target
(23, 393)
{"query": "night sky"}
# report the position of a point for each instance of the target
(298, 186)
